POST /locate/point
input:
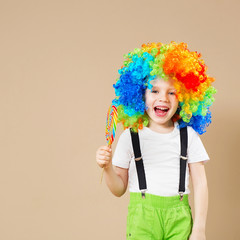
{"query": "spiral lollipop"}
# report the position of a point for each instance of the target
(111, 125)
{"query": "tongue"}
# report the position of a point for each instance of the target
(160, 113)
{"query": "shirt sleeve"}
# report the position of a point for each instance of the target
(196, 149)
(123, 151)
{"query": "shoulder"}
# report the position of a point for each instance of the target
(123, 152)
(125, 134)
(191, 131)
(125, 137)
(196, 149)
(192, 134)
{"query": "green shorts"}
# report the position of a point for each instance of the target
(158, 217)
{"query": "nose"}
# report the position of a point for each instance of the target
(163, 97)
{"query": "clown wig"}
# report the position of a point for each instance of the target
(194, 89)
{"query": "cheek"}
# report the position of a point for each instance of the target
(149, 102)
(149, 98)
(174, 101)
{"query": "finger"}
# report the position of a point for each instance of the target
(103, 157)
(108, 154)
(107, 148)
(105, 153)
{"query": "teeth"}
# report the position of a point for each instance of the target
(162, 108)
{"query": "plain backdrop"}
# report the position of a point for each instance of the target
(59, 60)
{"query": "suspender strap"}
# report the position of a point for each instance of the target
(183, 160)
(139, 162)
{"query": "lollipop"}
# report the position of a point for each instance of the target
(111, 125)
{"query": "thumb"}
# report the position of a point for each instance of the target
(110, 147)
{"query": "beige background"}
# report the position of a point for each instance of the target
(58, 62)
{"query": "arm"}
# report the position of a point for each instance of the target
(116, 179)
(200, 188)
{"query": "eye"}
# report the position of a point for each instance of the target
(154, 91)
(172, 93)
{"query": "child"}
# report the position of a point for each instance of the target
(163, 97)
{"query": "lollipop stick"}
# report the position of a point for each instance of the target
(102, 176)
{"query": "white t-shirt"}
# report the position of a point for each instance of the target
(161, 154)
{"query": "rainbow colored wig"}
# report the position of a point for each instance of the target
(193, 87)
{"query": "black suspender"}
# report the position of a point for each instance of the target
(183, 160)
(139, 163)
(140, 166)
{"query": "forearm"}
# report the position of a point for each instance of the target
(114, 182)
(200, 205)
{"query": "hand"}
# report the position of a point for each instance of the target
(197, 235)
(104, 156)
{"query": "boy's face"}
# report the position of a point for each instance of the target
(161, 102)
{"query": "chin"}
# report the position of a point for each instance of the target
(160, 121)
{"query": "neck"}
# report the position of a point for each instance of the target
(161, 128)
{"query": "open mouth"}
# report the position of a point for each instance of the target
(161, 111)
